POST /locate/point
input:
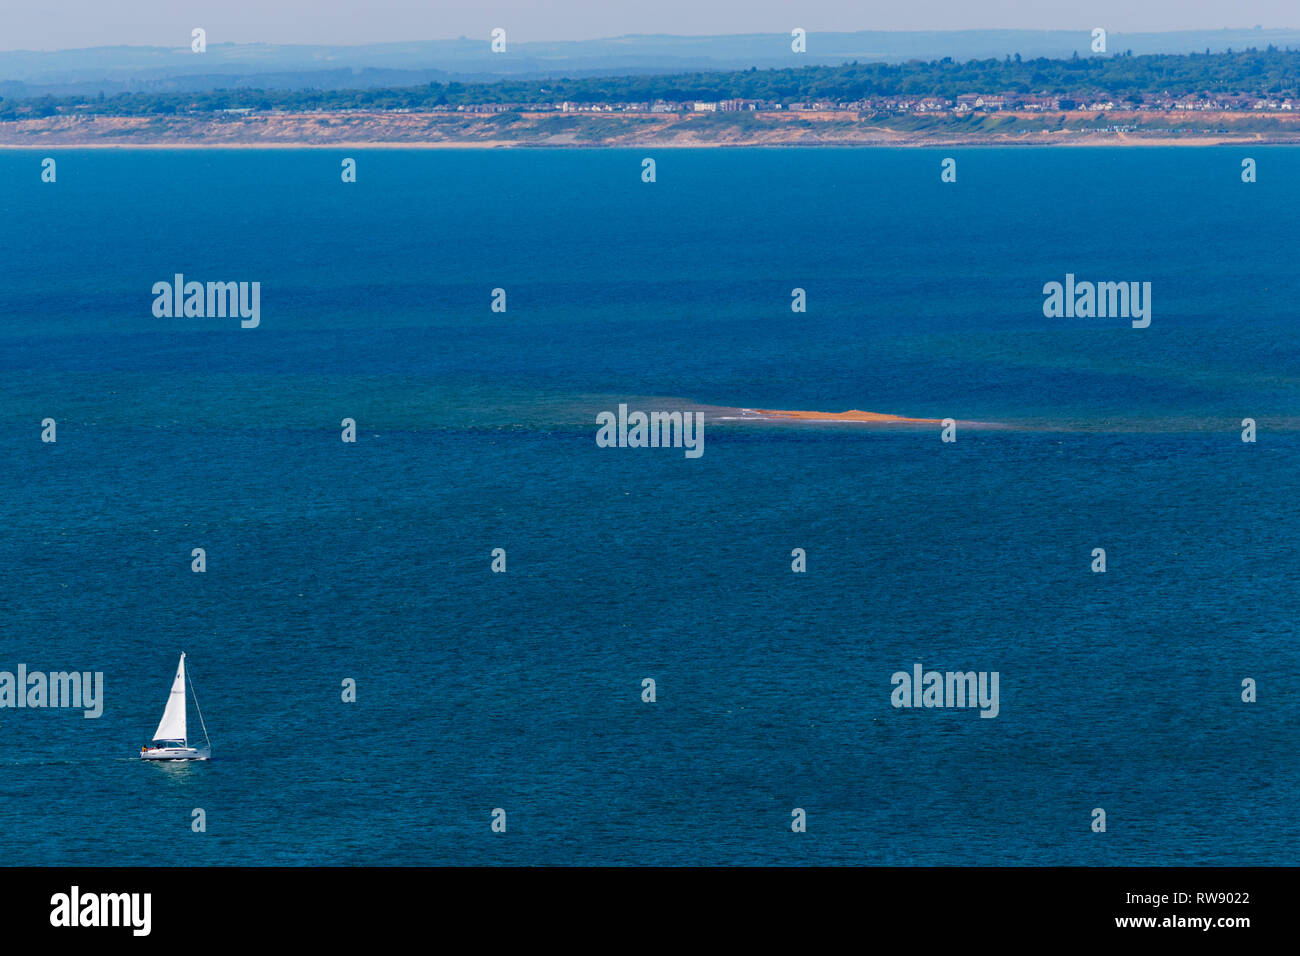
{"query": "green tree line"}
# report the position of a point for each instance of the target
(1271, 72)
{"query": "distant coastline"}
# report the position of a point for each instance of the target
(1250, 96)
(377, 129)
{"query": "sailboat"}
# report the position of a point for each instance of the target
(170, 742)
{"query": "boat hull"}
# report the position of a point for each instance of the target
(176, 753)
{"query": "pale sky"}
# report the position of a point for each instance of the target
(68, 24)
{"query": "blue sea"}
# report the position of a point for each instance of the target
(522, 691)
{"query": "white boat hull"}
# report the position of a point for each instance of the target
(176, 753)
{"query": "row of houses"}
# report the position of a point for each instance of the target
(666, 106)
(964, 103)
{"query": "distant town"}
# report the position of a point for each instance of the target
(962, 103)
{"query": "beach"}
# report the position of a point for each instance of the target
(440, 130)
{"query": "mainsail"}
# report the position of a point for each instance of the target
(172, 725)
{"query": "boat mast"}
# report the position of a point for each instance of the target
(200, 712)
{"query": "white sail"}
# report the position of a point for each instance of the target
(172, 725)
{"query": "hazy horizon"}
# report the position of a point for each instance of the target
(184, 43)
(112, 69)
(63, 25)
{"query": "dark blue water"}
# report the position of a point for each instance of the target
(523, 690)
